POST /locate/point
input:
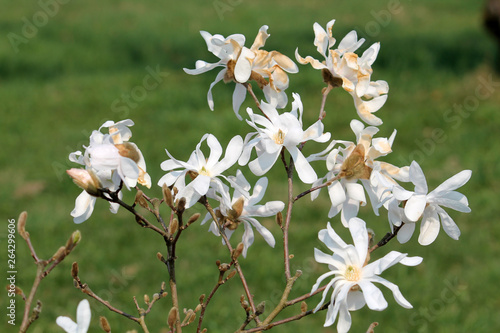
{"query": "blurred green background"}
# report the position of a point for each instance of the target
(66, 69)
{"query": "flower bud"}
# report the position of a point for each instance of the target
(146, 299)
(74, 270)
(303, 307)
(172, 317)
(279, 219)
(237, 251)
(202, 298)
(193, 218)
(104, 324)
(173, 227)
(259, 309)
(86, 179)
(21, 225)
(167, 196)
(139, 198)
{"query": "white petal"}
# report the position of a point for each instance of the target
(429, 229)
(83, 315)
(243, 67)
(454, 182)
(84, 206)
(373, 296)
(239, 94)
(406, 232)
(304, 170)
(418, 178)
(357, 228)
(415, 207)
(395, 291)
(449, 226)
(67, 324)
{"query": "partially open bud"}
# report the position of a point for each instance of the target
(259, 309)
(104, 324)
(193, 218)
(173, 226)
(21, 225)
(139, 198)
(303, 307)
(237, 251)
(74, 270)
(86, 179)
(279, 219)
(172, 317)
(167, 196)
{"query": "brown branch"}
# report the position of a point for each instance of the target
(235, 261)
(386, 238)
(328, 183)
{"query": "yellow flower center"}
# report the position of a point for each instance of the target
(204, 172)
(352, 273)
(279, 137)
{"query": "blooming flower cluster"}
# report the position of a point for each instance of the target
(242, 65)
(355, 169)
(110, 161)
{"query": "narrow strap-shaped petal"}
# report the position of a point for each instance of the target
(373, 296)
(398, 296)
(67, 324)
(83, 315)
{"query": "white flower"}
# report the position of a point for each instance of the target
(280, 131)
(241, 64)
(358, 162)
(113, 160)
(427, 206)
(205, 171)
(242, 208)
(353, 278)
(347, 68)
(82, 324)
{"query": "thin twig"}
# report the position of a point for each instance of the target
(236, 263)
(328, 183)
(386, 238)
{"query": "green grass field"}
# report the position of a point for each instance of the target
(63, 79)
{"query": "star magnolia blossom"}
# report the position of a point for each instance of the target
(241, 64)
(427, 206)
(82, 324)
(358, 162)
(353, 278)
(278, 131)
(242, 208)
(205, 171)
(113, 160)
(353, 72)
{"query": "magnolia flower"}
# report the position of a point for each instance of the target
(353, 277)
(111, 160)
(280, 131)
(357, 162)
(344, 67)
(427, 206)
(205, 172)
(242, 208)
(241, 65)
(82, 319)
